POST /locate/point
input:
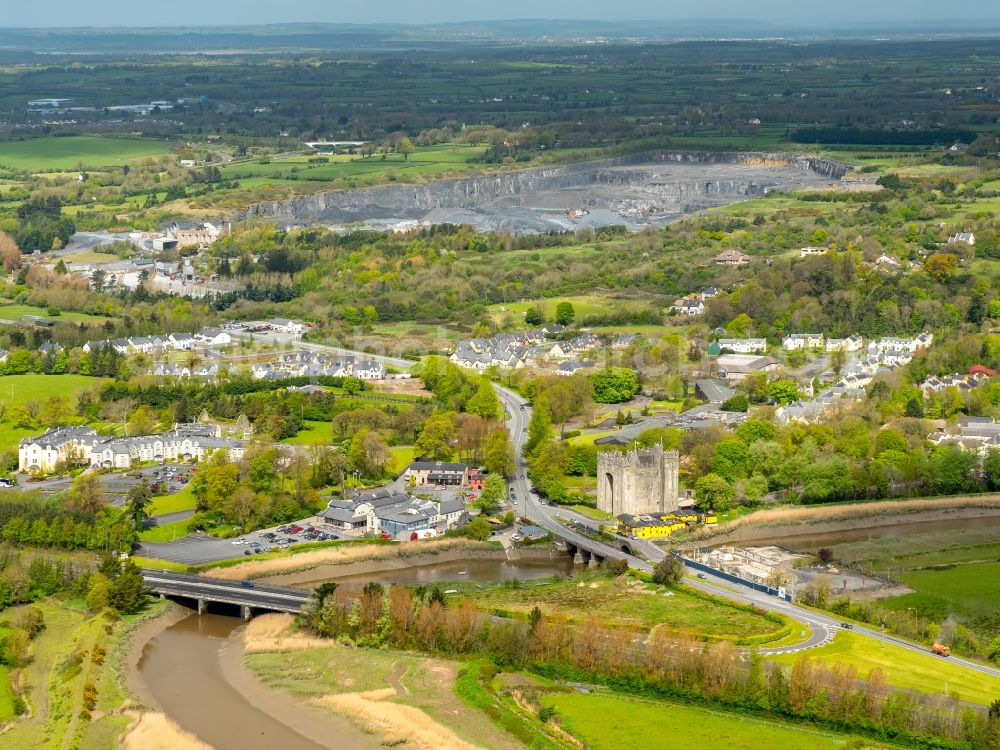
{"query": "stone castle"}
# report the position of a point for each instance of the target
(638, 482)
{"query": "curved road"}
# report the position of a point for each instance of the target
(822, 625)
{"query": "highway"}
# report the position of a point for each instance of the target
(822, 626)
(273, 598)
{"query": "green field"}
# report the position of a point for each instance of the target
(402, 456)
(6, 692)
(607, 722)
(183, 500)
(15, 312)
(40, 154)
(424, 161)
(904, 668)
(969, 591)
(17, 389)
(583, 305)
(637, 606)
(312, 433)
(168, 532)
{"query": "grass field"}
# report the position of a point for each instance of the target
(7, 712)
(402, 456)
(968, 591)
(40, 154)
(425, 161)
(640, 606)
(904, 668)
(183, 500)
(608, 722)
(311, 434)
(165, 533)
(583, 305)
(15, 312)
(17, 389)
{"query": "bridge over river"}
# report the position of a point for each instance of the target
(202, 591)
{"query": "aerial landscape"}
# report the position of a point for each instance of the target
(547, 376)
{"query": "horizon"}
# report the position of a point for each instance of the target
(188, 14)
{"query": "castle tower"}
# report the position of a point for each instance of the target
(638, 482)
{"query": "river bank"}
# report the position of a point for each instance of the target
(781, 526)
(189, 674)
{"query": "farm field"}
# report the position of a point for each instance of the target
(15, 312)
(611, 601)
(425, 160)
(18, 389)
(40, 154)
(904, 668)
(607, 722)
(969, 591)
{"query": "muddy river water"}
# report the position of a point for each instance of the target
(191, 670)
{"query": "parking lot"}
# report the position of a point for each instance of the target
(116, 484)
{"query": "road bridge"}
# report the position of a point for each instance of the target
(203, 591)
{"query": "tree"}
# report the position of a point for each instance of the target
(714, 492)
(941, 266)
(493, 494)
(405, 147)
(98, 590)
(435, 438)
(991, 467)
(740, 325)
(612, 385)
(498, 453)
(485, 403)
(127, 593)
(565, 313)
(539, 428)
(239, 507)
(784, 391)
(137, 503)
(10, 253)
(86, 494)
(478, 529)
(668, 571)
(534, 317)
(838, 358)
(737, 403)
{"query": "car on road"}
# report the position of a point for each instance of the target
(702, 576)
(516, 537)
(847, 626)
(247, 552)
(246, 584)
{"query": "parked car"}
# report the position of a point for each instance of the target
(246, 584)
(5, 482)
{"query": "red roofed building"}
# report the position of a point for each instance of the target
(981, 370)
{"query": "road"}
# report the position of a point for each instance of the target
(822, 625)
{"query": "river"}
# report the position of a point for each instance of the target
(191, 670)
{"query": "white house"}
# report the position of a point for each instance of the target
(806, 252)
(967, 237)
(690, 307)
(213, 337)
(799, 341)
(743, 346)
(287, 325)
(850, 344)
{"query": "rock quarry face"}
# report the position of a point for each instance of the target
(637, 190)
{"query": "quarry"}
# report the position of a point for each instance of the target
(649, 189)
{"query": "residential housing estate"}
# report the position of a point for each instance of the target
(82, 446)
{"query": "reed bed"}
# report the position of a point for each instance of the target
(337, 556)
(394, 722)
(790, 516)
(273, 633)
(154, 731)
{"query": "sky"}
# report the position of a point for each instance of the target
(48, 13)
